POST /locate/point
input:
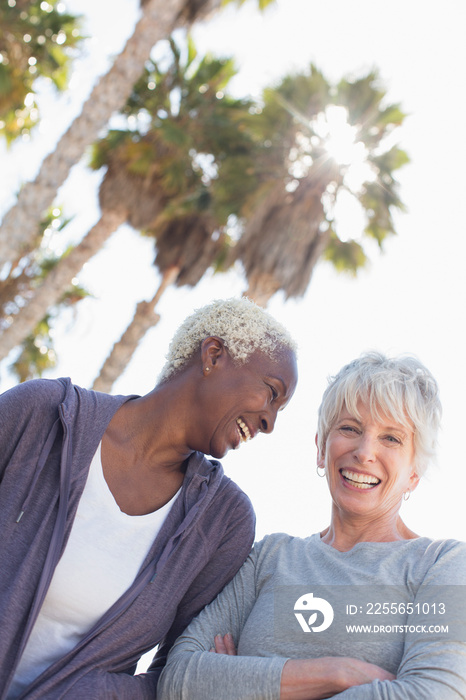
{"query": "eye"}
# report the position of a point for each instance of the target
(273, 391)
(392, 439)
(349, 429)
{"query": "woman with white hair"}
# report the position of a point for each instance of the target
(365, 609)
(116, 529)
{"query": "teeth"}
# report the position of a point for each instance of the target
(361, 481)
(245, 434)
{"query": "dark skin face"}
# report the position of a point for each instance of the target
(211, 406)
(240, 400)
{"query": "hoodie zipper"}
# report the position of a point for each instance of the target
(58, 532)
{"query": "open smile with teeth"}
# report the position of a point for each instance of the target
(243, 430)
(360, 481)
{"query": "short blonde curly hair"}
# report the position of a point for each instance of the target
(242, 325)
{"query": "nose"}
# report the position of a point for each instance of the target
(267, 420)
(365, 450)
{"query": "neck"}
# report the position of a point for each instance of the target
(144, 450)
(151, 431)
(346, 530)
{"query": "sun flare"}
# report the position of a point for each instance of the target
(339, 139)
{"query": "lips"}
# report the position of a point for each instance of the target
(358, 480)
(245, 433)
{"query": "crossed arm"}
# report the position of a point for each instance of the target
(429, 668)
(193, 671)
(309, 679)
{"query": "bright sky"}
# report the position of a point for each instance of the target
(412, 297)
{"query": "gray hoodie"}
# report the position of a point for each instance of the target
(49, 431)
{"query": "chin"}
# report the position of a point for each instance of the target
(218, 454)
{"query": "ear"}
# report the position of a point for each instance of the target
(320, 455)
(413, 481)
(213, 352)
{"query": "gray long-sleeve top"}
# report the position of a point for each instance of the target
(260, 607)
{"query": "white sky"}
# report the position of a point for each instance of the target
(412, 297)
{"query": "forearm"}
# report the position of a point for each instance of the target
(314, 679)
(207, 676)
(433, 669)
(301, 679)
(309, 679)
(204, 676)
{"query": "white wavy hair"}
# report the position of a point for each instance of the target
(400, 387)
(242, 325)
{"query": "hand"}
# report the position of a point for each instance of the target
(224, 645)
(356, 672)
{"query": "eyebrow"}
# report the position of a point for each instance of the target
(395, 428)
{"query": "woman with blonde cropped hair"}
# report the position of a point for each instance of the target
(116, 528)
(366, 609)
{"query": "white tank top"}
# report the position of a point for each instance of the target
(105, 551)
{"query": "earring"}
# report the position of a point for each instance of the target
(318, 472)
(207, 369)
(406, 495)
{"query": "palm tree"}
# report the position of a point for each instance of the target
(158, 174)
(292, 225)
(36, 352)
(144, 318)
(189, 233)
(52, 289)
(283, 239)
(30, 270)
(158, 19)
(36, 41)
(200, 158)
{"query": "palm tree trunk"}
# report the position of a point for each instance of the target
(283, 239)
(159, 18)
(144, 318)
(261, 293)
(11, 288)
(55, 284)
(262, 286)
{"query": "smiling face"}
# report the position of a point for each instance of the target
(369, 463)
(241, 400)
